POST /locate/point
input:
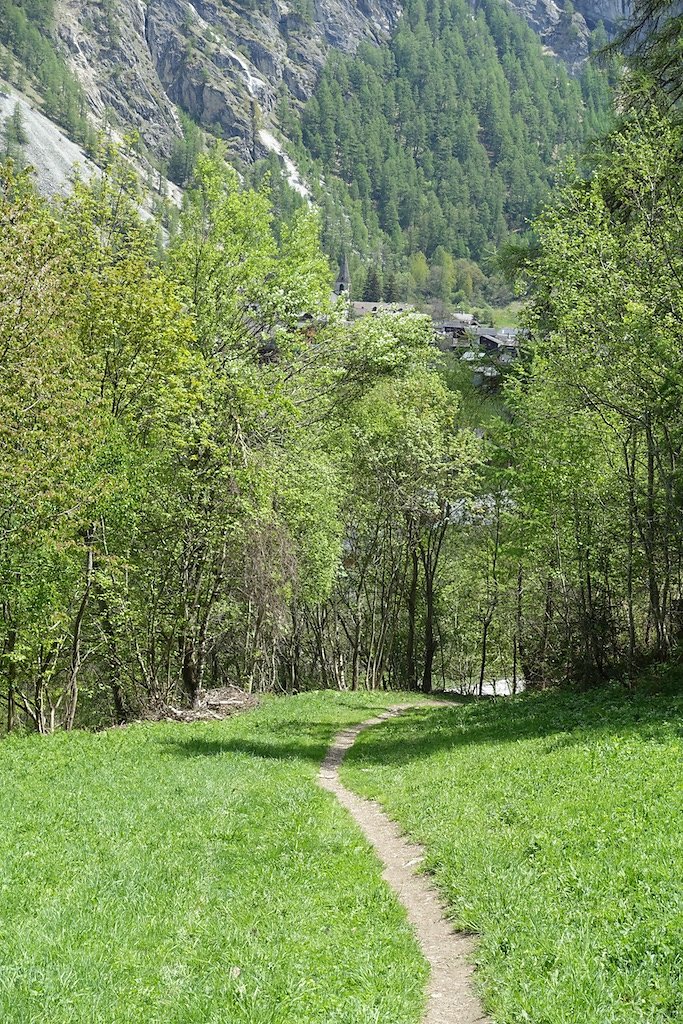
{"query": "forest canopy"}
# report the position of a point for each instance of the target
(207, 474)
(445, 139)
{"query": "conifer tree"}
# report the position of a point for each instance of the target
(373, 286)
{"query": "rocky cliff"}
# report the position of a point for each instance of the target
(225, 61)
(222, 61)
(565, 28)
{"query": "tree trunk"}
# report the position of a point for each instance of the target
(518, 642)
(430, 639)
(76, 660)
(514, 665)
(190, 670)
(11, 679)
(411, 663)
(484, 652)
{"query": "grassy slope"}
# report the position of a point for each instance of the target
(169, 873)
(554, 825)
(508, 316)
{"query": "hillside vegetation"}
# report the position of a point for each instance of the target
(196, 448)
(223, 480)
(29, 57)
(552, 826)
(445, 139)
(209, 475)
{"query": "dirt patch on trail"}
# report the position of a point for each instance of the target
(451, 996)
(210, 706)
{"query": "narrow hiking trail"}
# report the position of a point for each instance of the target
(450, 994)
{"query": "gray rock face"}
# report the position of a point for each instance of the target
(610, 12)
(223, 61)
(567, 35)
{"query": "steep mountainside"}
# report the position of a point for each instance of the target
(423, 128)
(441, 141)
(221, 61)
(225, 62)
(46, 148)
(564, 27)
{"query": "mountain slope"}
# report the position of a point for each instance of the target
(226, 62)
(221, 62)
(435, 125)
(52, 155)
(565, 27)
(445, 138)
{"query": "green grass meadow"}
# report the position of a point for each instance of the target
(196, 874)
(554, 827)
(173, 874)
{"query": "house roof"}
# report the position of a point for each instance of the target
(367, 308)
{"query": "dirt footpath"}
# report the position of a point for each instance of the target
(451, 997)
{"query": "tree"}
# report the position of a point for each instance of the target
(373, 286)
(184, 152)
(653, 43)
(411, 466)
(14, 134)
(15, 126)
(597, 431)
(48, 438)
(391, 291)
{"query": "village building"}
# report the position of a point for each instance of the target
(342, 286)
(488, 350)
(360, 309)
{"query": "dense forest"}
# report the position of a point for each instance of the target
(436, 145)
(596, 442)
(209, 475)
(197, 454)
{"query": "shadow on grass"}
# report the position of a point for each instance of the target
(310, 746)
(294, 739)
(289, 738)
(564, 719)
(423, 731)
